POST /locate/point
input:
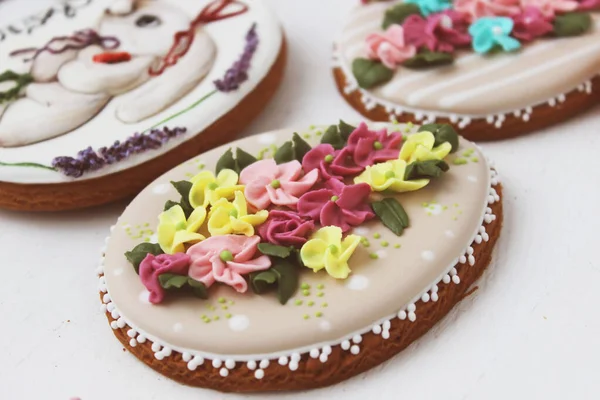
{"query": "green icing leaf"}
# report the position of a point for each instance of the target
(274, 250)
(333, 137)
(242, 160)
(283, 275)
(392, 214)
(20, 81)
(370, 73)
(572, 24)
(294, 149)
(177, 282)
(429, 59)
(345, 130)
(169, 204)
(442, 133)
(425, 169)
(183, 188)
(285, 153)
(139, 252)
(398, 13)
(226, 161)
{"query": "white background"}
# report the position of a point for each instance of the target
(531, 331)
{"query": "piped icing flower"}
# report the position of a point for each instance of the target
(326, 249)
(331, 163)
(337, 205)
(268, 183)
(439, 32)
(153, 266)
(586, 5)
(430, 6)
(208, 189)
(370, 147)
(389, 47)
(531, 24)
(286, 228)
(226, 259)
(550, 7)
(231, 217)
(490, 32)
(419, 147)
(174, 229)
(475, 9)
(390, 176)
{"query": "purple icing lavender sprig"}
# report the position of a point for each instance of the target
(89, 160)
(238, 73)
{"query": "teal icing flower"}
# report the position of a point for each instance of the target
(489, 32)
(430, 6)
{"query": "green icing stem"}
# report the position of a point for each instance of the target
(28, 164)
(177, 114)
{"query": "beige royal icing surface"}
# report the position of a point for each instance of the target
(227, 37)
(444, 218)
(479, 85)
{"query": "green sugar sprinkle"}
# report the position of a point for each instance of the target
(319, 133)
(305, 286)
(475, 159)
(324, 305)
(320, 286)
(376, 235)
(320, 294)
(222, 300)
(306, 136)
(212, 308)
(374, 256)
(311, 303)
(306, 292)
(306, 316)
(397, 246)
(455, 204)
(298, 302)
(459, 161)
(425, 205)
(468, 152)
(224, 307)
(429, 213)
(312, 127)
(216, 318)
(384, 244)
(318, 314)
(365, 242)
(445, 208)
(227, 315)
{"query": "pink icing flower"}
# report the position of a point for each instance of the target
(225, 259)
(551, 7)
(531, 24)
(476, 9)
(268, 183)
(586, 5)
(337, 205)
(371, 147)
(439, 32)
(389, 47)
(331, 163)
(152, 266)
(286, 228)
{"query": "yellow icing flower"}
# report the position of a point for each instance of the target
(390, 176)
(227, 217)
(207, 189)
(419, 147)
(326, 249)
(174, 229)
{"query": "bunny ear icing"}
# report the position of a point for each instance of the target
(218, 10)
(121, 7)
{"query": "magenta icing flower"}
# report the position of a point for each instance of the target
(371, 147)
(550, 7)
(286, 228)
(586, 5)
(331, 163)
(226, 259)
(337, 205)
(476, 9)
(531, 24)
(439, 32)
(268, 183)
(152, 266)
(389, 47)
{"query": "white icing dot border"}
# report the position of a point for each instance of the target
(258, 364)
(428, 117)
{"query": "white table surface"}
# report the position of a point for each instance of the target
(530, 331)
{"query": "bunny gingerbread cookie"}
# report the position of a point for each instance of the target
(492, 68)
(98, 97)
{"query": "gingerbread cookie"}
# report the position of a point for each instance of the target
(492, 68)
(98, 98)
(293, 261)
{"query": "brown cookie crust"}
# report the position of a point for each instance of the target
(341, 365)
(542, 116)
(129, 182)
